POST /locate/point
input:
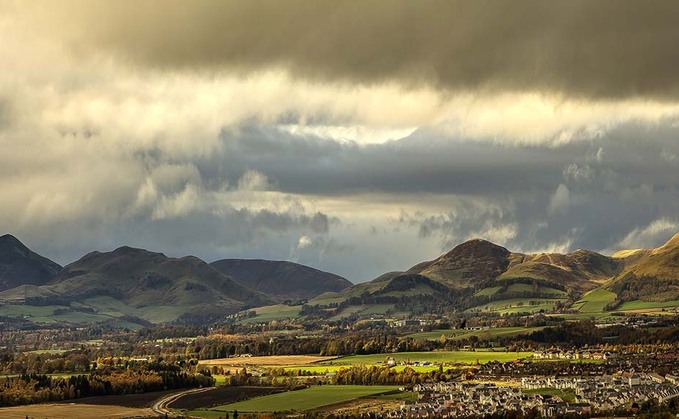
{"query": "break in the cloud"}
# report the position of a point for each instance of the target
(357, 137)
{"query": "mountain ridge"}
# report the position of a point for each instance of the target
(21, 266)
(477, 271)
(281, 280)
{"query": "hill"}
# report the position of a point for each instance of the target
(480, 275)
(21, 266)
(136, 283)
(650, 275)
(281, 280)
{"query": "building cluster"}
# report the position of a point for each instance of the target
(611, 392)
(574, 354)
(459, 400)
(539, 396)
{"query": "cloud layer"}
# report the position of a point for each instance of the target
(578, 48)
(357, 137)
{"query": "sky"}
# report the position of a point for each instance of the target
(357, 137)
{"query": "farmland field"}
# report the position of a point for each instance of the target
(221, 396)
(518, 305)
(275, 312)
(267, 361)
(647, 305)
(126, 400)
(73, 411)
(306, 399)
(458, 357)
(465, 334)
(595, 301)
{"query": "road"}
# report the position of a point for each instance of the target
(160, 406)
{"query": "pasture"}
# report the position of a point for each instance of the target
(518, 305)
(302, 400)
(638, 305)
(594, 301)
(482, 334)
(446, 357)
(269, 313)
(266, 361)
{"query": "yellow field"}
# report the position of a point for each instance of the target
(267, 361)
(72, 411)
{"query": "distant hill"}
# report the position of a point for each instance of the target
(141, 284)
(648, 274)
(21, 266)
(477, 273)
(281, 280)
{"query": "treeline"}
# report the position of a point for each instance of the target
(585, 332)
(39, 388)
(43, 363)
(350, 344)
(361, 375)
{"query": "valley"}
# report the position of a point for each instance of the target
(255, 338)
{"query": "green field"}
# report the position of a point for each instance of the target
(647, 305)
(518, 305)
(595, 301)
(325, 369)
(488, 291)
(105, 309)
(483, 334)
(450, 357)
(270, 313)
(301, 400)
(567, 395)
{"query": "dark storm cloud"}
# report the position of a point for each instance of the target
(427, 163)
(581, 48)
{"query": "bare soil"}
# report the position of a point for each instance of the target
(220, 396)
(126, 400)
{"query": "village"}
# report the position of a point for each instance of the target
(540, 396)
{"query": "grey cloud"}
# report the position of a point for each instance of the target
(588, 193)
(580, 48)
(427, 163)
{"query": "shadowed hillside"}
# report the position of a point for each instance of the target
(21, 266)
(281, 280)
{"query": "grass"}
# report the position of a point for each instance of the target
(595, 301)
(47, 351)
(72, 411)
(488, 291)
(451, 357)
(465, 334)
(220, 379)
(106, 308)
(306, 399)
(518, 305)
(540, 289)
(567, 395)
(275, 312)
(644, 305)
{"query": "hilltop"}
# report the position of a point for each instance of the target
(480, 276)
(21, 266)
(136, 283)
(281, 280)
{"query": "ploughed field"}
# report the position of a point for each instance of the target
(126, 400)
(221, 396)
(299, 400)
